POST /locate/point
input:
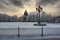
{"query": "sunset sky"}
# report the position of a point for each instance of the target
(17, 7)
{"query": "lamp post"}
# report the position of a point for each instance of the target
(39, 9)
(18, 31)
(42, 31)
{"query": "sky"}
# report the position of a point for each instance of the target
(17, 7)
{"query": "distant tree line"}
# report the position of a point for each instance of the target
(32, 17)
(7, 18)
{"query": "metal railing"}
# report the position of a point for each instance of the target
(29, 31)
(19, 31)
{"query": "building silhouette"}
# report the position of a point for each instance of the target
(25, 16)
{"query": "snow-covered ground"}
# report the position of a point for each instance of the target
(26, 25)
(28, 29)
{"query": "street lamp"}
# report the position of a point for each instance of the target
(39, 10)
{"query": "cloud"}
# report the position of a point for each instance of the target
(17, 3)
(30, 5)
(57, 6)
(10, 5)
(50, 6)
(1, 7)
(46, 2)
(25, 0)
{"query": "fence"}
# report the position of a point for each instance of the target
(42, 31)
(19, 31)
